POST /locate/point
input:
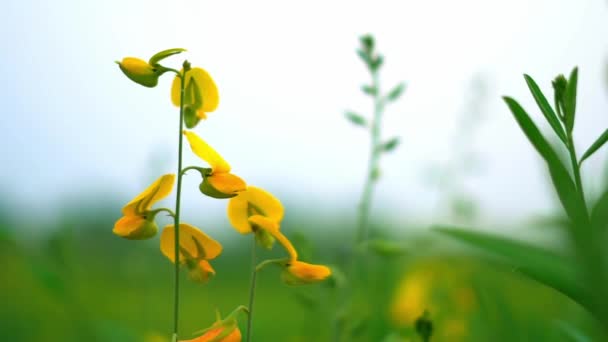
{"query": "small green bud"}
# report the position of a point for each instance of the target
(367, 42)
(187, 66)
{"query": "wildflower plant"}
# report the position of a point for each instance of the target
(250, 210)
(582, 275)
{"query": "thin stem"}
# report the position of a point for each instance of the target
(576, 171)
(252, 290)
(177, 207)
(366, 197)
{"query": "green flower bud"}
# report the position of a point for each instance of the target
(139, 71)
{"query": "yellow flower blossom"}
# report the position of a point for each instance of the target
(139, 71)
(296, 272)
(217, 182)
(207, 92)
(253, 201)
(213, 335)
(138, 222)
(196, 248)
(299, 273)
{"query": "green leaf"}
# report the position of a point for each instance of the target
(396, 92)
(562, 181)
(356, 118)
(599, 214)
(364, 56)
(545, 107)
(376, 63)
(390, 145)
(369, 90)
(386, 248)
(601, 140)
(542, 265)
(570, 100)
(164, 54)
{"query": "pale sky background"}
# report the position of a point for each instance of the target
(287, 71)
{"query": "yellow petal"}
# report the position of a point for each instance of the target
(227, 183)
(189, 237)
(253, 201)
(206, 85)
(135, 228)
(306, 273)
(273, 228)
(207, 153)
(160, 189)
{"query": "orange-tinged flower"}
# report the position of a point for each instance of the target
(196, 248)
(205, 89)
(299, 273)
(138, 222)
(218, 182)
(253, 201)
(216, 335)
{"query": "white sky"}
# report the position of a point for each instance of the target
(287, 71)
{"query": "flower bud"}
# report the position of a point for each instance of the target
(136, 227)
(222, 185)
(139, 71)
(301, 273)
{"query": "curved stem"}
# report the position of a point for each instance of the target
(177, 207)
(252, 290)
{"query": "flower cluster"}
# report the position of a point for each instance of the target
(251, 210)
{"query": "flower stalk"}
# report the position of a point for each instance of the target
(254, 273)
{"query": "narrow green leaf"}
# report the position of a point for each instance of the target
(164, 54)
(562, 181)
(599, 214)
(545, 107)
(537, 263)
(356, 118)
(396, 92)
(369, 90)
(390, 145)
(601, 140)
(570, 100)
(364, 56)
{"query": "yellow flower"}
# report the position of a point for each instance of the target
(253, 201)
(296, 272)
(139, 71)
(219, 335)
(299, 273)
(202, 88)
(223, 330)
(138, 222)
(196, 248)
(218, 182)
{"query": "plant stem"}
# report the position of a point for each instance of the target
(366, 197)
(177, 206)
(576, 171)
(252, 290)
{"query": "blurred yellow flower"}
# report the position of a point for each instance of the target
(138, 222)
(196, 248)
(218, 182)
(206, 88)
(253, 201)
(139, 71)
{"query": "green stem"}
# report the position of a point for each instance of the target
(177, 207)
(252, 290)
(366, 197)
(576, 170)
